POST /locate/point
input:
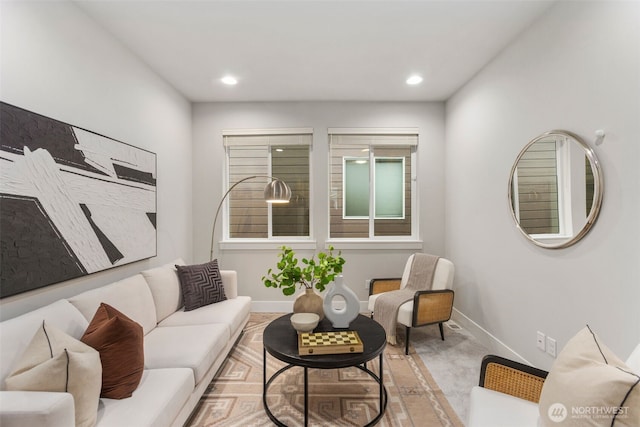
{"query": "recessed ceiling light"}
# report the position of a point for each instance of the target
(414, 80)
(229, 80)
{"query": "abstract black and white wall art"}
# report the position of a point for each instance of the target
(72, 202)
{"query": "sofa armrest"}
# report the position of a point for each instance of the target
(511, 377)
(230, 283)
(377, 286)
(36, 408)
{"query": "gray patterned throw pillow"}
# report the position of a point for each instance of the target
(201, 284)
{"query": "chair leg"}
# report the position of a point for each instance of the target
(441, 331)
(406, 344)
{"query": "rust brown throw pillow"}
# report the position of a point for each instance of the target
(119, 340)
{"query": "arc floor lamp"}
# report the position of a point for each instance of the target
(276, 191)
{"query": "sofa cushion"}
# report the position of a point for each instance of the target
(165, 287)
(201, 284)
(119, 340)
(490, 408)
(16, 333)
(230, 283)
(55, 361)
(231, 312)
(589, 385)
(195, 347)
(130, 296)
(36, 408)
(156, 402)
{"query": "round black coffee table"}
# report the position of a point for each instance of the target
(281, 341)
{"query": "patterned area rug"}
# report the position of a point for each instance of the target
(337, 397)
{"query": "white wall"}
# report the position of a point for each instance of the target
(57, 62)
(210, 119)
(577, 68)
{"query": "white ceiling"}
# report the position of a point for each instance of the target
(315, 49)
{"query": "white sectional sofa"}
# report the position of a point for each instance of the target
(182, 350)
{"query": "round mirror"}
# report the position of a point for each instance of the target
(555, 189)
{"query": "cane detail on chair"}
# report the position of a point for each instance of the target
(427, 306)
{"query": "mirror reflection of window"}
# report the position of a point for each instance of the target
(536, 185)
(555, 189)
(589, 185)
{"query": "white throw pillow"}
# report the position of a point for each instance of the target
(57, 362)
(165, 288)
(588, 385)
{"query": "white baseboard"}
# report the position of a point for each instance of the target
(287, 306)
(485, 338)
(272, 306)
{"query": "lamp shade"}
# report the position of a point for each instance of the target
(277, 191)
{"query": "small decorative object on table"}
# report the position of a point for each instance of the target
(309, 301)
(341, 317)
(334, 342)
(304, 322)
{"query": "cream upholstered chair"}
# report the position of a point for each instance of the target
(427, 307)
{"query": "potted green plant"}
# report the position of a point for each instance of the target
(309, 274)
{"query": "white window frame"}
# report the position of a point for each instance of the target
(413, 241)
(373, 164)
(270, 242)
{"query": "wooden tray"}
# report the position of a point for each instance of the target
(336, 342)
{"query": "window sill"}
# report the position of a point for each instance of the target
(551, 238)
(259, 245)
(368, 244)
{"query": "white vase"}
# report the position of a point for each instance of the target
(341, 317)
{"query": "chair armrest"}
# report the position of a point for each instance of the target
(36, 408)
(377, 286)
(432, 306)
(511, 377)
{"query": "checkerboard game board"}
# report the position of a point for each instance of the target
(335, 342)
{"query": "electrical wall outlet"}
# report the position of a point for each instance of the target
(551, 347)
(540, 341)
(367, 283)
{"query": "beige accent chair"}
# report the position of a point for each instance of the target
(432, 306)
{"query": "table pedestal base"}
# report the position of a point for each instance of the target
(266, 383)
